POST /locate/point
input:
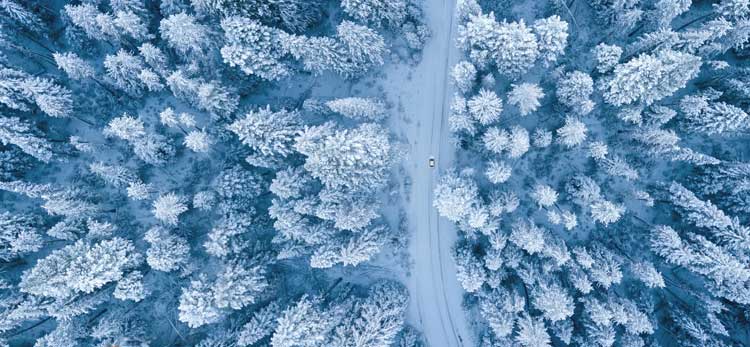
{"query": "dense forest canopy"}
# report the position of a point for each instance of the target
(221, 173)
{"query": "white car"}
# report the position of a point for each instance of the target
(431, 162)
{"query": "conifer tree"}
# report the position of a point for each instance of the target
(648, 78)
(168, 207)
(124, 70)
(75, 67)
(485, 107)
(526, 97)
(19, 234)
(478, 37)
(574, 90)
(552, 34)
(22, 16)
(167, 252)
(186, 36)
(17, 132)
(262, 324)
(253, 47)
(270, 133)
(607, 57)
(80, 268)
(464, 75)
(703, 114)
(303, 324)
(515, 48)
(572, 133)
(390, 12)
(354, 158)
(454, 196)
(369, 109)
(553, 301)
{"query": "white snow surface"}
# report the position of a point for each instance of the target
(422, 95)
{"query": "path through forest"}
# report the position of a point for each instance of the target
(423, 97)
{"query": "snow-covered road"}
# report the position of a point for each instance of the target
(424, 101)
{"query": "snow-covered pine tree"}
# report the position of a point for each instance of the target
(726, 230)
(302, 324)
(527, 236)
(552, 34)
(226, 236)
(261, 325)
(154, 57)
(455, 195)
(477, 36)
(15, 131)
(270, 133)
(187, 36)
(196, 307)
(216, 99)
(526, 97)
(198, 141)
(19, 15)
(130, 287)
(648, 78)
(607, 57)
(606, 212)
(253, 47)
(544, 195)
(705, 258)
(485, 107)
(574, 90)
(168, 207)
(377, 320)
(80, 268)
(703, 114)
(115, 175)
(356, 158)
(498, 172)
(532, 332)
(124, 70)
(19, 234)
(470, 271)
(239, 284)
(96, 25)
(369, 109)
(668, 10)
(167, 252)
(20, 91)
(572, 133)
(514, 48)
(361, 48)
(464, 76)
(519, 142)
(75, 67)
(378, 12)
(554, 302)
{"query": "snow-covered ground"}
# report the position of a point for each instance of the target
(422, 95)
